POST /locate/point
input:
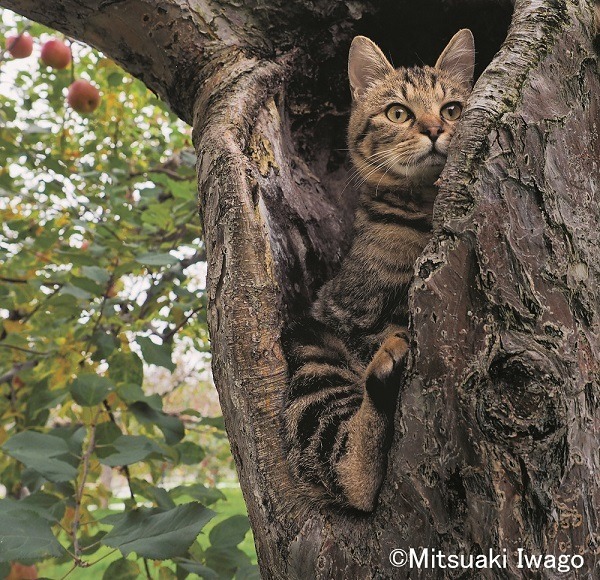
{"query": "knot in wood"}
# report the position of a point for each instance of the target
(520, 401)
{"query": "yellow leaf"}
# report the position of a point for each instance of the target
(62, 220)
(13, 326)
(178, 315)
(104, 63)
(67, 520)
(112, 399)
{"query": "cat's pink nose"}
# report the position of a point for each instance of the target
(433, 131)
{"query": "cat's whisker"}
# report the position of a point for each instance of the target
(382, 158)
(394, 161)
(378, 167)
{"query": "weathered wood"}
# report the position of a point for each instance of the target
(497, 433)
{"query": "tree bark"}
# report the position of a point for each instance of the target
(497, 431)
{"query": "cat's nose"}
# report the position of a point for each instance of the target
(433, 132)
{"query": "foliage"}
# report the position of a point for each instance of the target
(104, 328)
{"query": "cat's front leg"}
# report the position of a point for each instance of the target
(362, 469)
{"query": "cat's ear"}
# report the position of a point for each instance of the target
(366, 65)
(458, 58)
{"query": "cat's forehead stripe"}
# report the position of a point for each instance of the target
(417, 85)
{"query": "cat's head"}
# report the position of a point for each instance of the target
(402, 119)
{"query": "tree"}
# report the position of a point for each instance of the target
(496, 430)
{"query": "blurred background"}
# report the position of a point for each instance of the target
(107, 406)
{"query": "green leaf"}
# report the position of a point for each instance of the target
(115, 79)
(126, 368)
(41, 453)
(74, 436)
(107, 433)
(48, 507)
(172, 427)
(87, 285)
(171, 184)
(155, 259)
(91, 544)
(156, 354)
(216, 422)
(105, 345)
(89, 389)
(127, 449)
(133, 393)
(95, 273)
(190, 453)
(158, 495)
(75, 291)
(230, 532)
(160, 215)
(122, 569)
(158, 534)
(26, 536)
(197, 568)
(226, 561)
(205, 495)
(45, 505)
(250, 572)
(42, 399)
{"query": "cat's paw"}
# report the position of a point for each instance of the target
(386, 366)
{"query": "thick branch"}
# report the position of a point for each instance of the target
(163, 43)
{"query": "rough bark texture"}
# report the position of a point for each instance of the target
(497, 427)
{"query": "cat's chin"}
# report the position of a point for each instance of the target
(426, 172)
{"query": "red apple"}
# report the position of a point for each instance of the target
(19, 46)
(56, 53)
(83, 96)
(21, 572)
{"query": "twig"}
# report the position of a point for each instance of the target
(175, 330)
(69, 572)
(27, 350)
(110, 231)
(168, 275)
(10, 375)
(109, 285)
(47, 298)
(12, 397)
(72, 61)
(147, 568)
(180, 381)
(168, 172)
(105, 556)
(78, 497)
(125, 468)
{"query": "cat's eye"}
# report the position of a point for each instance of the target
(451, 111)
(398, 114)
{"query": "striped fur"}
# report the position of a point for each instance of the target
(346, 356)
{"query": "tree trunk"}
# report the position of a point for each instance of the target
(497, 431)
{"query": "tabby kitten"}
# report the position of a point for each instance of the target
(346, 357)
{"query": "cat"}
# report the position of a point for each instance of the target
(345, 358)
